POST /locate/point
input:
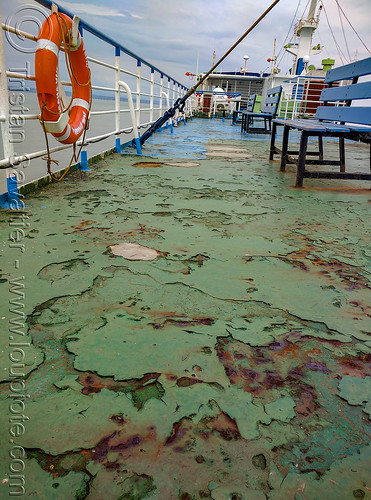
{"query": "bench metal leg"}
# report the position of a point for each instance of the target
(342, 154)
(273, 141)
(250, 122)
(269, 124)
(301, 160)
(285, 142)
(320, 147)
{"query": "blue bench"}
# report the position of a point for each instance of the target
(335, 118)
(249, 107)
(268, 112)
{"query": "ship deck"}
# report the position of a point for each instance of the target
(233, 365)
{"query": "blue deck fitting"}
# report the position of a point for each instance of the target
(118, 145)
(84, 162)
(138, 146)
(10, 200)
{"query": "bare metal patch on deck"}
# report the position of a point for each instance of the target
(228, 154)
(182, 164)
(134, 251)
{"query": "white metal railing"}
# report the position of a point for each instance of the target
(142, 106)
(300, 97)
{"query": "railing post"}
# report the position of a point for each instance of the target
(117, 98)
(132, 115)
(169, 101)
(139, 64)
(170, 120)
(185, 107)
(152, 94)
(161, 91)
(295, 100)
(168, 89)
(6, 181)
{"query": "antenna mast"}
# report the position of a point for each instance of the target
(304, 30)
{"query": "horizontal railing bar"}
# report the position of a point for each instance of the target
(18, 32)
(127, 72)
(101, 63)
(22, 76)
(31, 156)
(108, 89)
(25, 117)
(37, 154)
(100, 137)
(108, 112)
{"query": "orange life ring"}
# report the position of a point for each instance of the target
(65, 126)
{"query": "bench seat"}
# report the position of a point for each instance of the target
(313, 125)
(250, 113)
(319, 126)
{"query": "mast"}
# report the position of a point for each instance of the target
(304, 30)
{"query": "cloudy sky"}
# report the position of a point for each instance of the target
(169, 33)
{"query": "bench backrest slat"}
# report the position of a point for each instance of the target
(251, 102)
(347, 92)
(272, 100)
(270, 104)
(345, 114)
(274, 90)
(349, 71)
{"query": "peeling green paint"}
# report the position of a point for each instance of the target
(236, 365)
(356, 391)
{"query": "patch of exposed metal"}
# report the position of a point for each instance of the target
(134, 251)
(228, 153)
(147, 164)
(182, 164)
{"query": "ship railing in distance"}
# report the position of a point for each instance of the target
(300, 97)
(116, 72)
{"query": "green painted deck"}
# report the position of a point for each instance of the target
(234, 365)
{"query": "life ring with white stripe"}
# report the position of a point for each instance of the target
(65, 125)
